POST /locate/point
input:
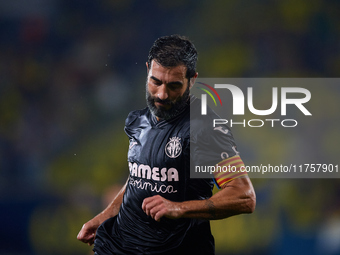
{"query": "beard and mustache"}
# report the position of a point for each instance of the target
(176, 106)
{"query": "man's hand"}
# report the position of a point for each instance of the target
(88, 232)
(158, 207)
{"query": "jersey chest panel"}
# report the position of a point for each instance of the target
(159, 159)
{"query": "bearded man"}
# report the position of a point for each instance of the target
(160, 209)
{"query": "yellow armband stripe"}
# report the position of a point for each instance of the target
(229, 169)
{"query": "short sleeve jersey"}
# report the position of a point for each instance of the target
(159, 159)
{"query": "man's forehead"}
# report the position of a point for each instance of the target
(178, 71)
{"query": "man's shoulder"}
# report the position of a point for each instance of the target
(199, 121)
(136, 114)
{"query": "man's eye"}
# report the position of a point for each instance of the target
(158, 83)
(175, 86)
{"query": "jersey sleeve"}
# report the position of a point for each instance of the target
(215, 146)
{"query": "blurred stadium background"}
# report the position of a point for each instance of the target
(71, 71)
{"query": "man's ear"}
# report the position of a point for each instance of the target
(193, 80)
(147, 67)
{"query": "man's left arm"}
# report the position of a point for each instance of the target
(235, 197)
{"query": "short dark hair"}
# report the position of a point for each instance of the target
(174, 50)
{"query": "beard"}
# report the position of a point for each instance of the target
(176, 106)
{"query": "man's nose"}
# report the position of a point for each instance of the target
(162, 92)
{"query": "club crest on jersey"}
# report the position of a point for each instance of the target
(173, 148)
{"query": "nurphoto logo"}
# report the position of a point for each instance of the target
(238, 106)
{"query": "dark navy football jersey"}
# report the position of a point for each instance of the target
(159, 161)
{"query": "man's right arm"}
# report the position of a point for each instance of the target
(88, 231)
